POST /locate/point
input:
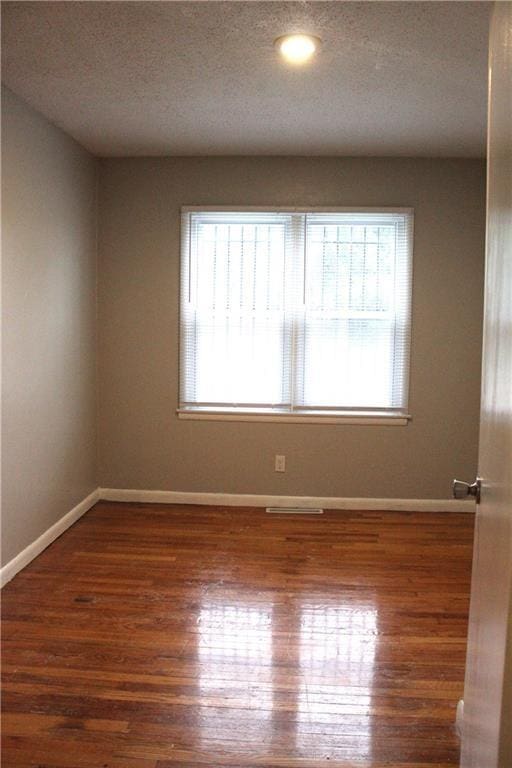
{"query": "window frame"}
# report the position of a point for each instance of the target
(304, 415)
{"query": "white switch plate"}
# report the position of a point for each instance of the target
(280, 465)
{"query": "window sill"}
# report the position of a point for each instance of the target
(314, 417)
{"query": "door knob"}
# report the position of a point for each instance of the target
(460, 489)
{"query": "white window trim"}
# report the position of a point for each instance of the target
(293, 209)
(348, 416)
(336, 417)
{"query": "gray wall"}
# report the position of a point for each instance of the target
(142, 444)
(49, 324)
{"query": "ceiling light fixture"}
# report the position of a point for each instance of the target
(297, 49)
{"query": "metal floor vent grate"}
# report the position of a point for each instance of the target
(294, 511)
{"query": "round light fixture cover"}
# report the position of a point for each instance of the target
(297, 48)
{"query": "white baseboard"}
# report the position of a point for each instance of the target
(260, 500)
(15, 565)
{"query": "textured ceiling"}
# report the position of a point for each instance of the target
(202, 78)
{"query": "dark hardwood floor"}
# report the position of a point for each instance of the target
(158, 636)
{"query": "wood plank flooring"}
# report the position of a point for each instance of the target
(151, 636)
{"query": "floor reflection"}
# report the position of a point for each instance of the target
(249, 655)
(235, 653)
(336, 655)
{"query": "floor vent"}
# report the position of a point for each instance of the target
(294, 511)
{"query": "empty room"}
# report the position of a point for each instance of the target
(256, 384)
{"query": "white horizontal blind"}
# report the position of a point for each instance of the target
(239, 288)
(295, 311)
(357, 304)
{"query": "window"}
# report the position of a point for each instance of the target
(295, 313)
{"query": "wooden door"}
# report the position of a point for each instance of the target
(487, 719)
